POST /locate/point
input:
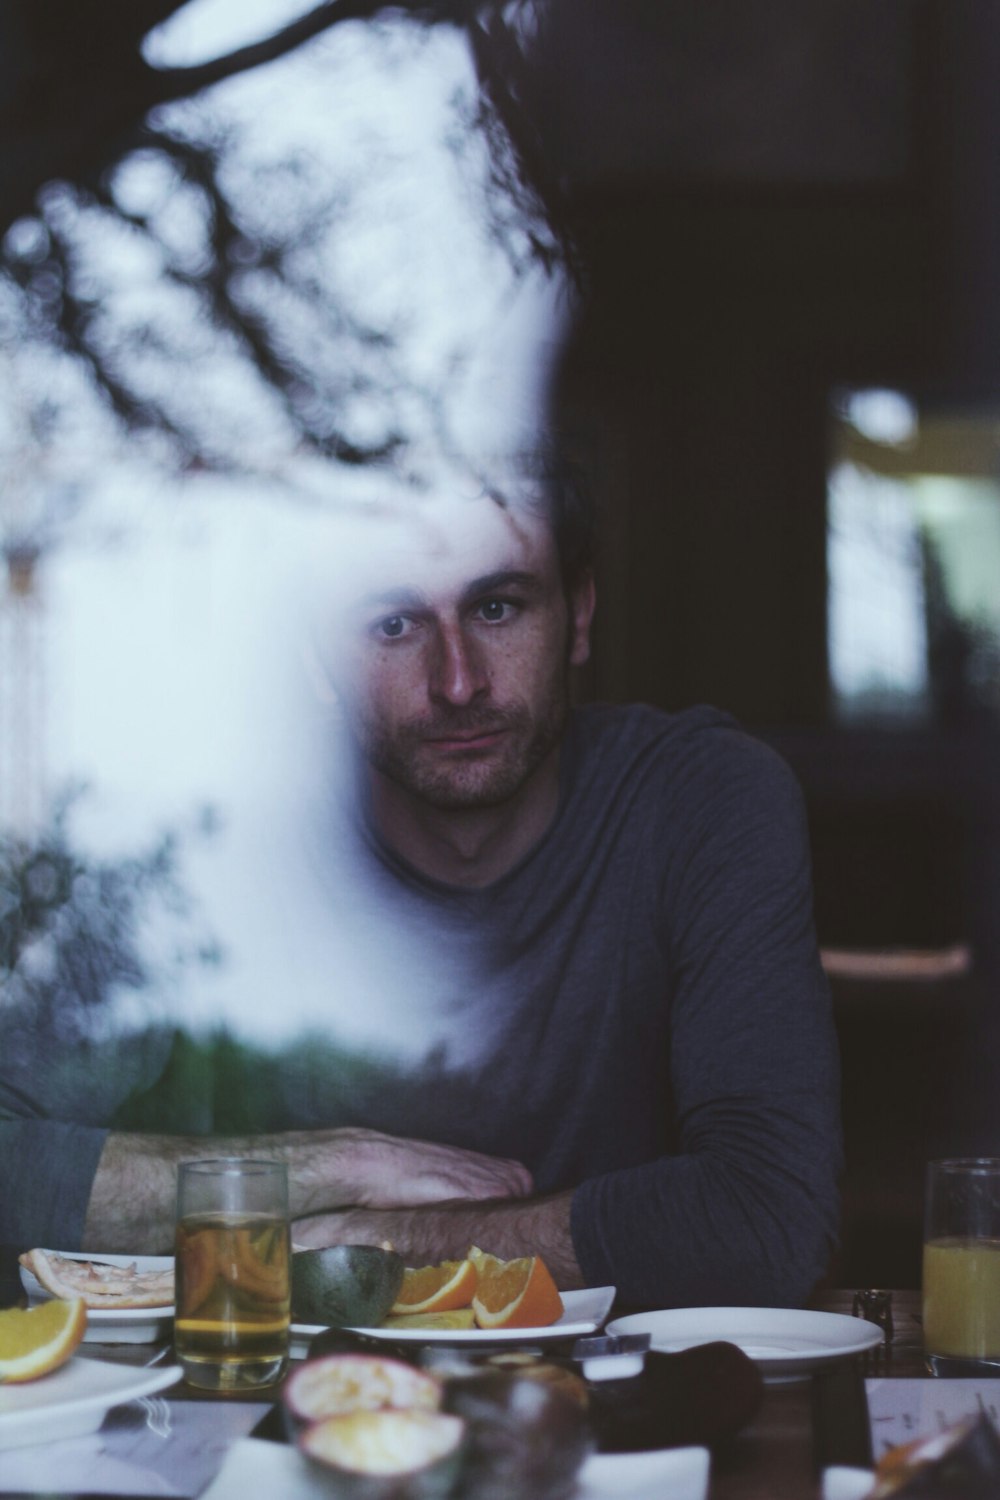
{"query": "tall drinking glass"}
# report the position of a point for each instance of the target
(232, 1273)
(961, 1276)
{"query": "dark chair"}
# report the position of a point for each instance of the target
(903, 1018)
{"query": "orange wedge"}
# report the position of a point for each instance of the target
(458, 1317)
(514, 1293)
(35, 1340)
(437, 1288)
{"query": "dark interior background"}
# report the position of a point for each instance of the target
(777, 201)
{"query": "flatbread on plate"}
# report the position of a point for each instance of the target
(98, 1283)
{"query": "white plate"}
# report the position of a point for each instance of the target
(782, 1341)
(256, 1467)
(115, 1325)
(72, 1401)
(582, 1313)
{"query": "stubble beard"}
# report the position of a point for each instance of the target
(477, 779)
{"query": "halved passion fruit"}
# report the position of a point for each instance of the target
(337, 1384)
(388, 1454)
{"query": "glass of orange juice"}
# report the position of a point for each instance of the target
(231, 1272)
(961, 1270)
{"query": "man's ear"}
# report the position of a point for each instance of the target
(582, 600)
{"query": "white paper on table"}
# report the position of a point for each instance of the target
(255, 1467)
(145, 1447)
(901, 1410)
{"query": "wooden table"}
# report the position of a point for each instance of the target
(805, 1425)
(801, 1426)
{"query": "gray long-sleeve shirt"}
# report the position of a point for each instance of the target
(636, 1011)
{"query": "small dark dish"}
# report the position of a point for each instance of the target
(345, 1285)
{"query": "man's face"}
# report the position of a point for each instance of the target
(460, 646)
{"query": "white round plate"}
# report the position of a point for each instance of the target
(73, 1399)
(115, 1325)
(781, 1341)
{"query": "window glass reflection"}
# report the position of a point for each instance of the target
(913, 557)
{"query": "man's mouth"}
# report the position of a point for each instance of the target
(465, 741)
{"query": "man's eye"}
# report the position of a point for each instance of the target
(393, 626)
(493, 611)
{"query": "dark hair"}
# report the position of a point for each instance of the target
(574, 520)
(556, 485)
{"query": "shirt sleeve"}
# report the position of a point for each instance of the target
(45, 1181)
(59, 1093)
(746, 1210)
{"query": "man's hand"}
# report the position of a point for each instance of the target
(424, 1235)
(391, 1172)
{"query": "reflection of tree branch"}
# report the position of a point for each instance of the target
(250, 316)
(74, 927)
(73, 102)
(178, 83)
(75, 87)
(73, 320)
(279, 370)
(506, 84)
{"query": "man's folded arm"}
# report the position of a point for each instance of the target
(132, 1201)
(722, 1225)
(719, 1227)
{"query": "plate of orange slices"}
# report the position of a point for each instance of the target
(481, 1299)
(583, 1312)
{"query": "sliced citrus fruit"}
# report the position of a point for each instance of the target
(35, 1340)
(436, 1288)
(458, 1317)
(514, 1293)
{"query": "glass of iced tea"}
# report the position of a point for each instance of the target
(232, 1273)
(961, 1273)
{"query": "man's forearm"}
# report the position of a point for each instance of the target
(424, 1235)
(132, 1201)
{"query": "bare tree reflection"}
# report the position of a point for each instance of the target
(141, 242)
(75, 928)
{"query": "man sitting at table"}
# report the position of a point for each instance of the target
(629, 1064)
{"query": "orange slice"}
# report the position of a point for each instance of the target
(514, 1293)
(35, 1340)
(458, 1317)
(436, 1288)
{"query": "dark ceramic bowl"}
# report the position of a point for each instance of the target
(345, 1286)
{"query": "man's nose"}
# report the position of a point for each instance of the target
(458, 673)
